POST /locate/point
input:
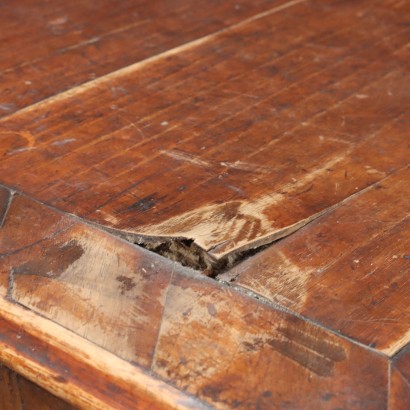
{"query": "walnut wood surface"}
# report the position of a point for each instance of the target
(244, 354)
(234, 140)
(232, 125)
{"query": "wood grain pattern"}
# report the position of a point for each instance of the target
(18, 393)
(78, 371)
(348, 270)
(235, 352)
(67, 44)
(400, 381)
(26, 223)
(98, 286)
(219, 125)
(191, 331)
(257, 129)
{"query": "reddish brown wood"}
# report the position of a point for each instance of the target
(9, 390)
(400, 381)
(77, 370)
(214, 125)
(48, 48)
(90, 282)
(348, 270)
(232, 141)
(236, 352)
(18, 393)
(193, 332)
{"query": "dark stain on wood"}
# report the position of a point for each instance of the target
(127, 283)
(144, 204)
(54, 262)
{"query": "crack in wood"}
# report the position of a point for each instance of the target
(189, 254)
(186, 252)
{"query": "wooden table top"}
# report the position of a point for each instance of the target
(206, 204)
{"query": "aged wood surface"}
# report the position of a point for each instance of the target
(48, 48)
(232, 141)
(18, 393)
(192, 331)
(400, 381)
(206, 129)
(239, 353)
(86, 280)
(348, 270)
(76, 370)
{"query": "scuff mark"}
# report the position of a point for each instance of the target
(182, 156)
(21, 141)
(64, 141)
(214, 165)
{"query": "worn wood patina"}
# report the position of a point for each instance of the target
(204, 204)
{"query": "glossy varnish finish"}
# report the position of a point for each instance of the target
(204, 130)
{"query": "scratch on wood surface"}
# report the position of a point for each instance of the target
(236, 225)
(183, 156)
(95, 83)
(22, 141)
(291, 277)
(213, 165)
(306, 348)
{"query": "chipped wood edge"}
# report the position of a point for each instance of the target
(142, 388)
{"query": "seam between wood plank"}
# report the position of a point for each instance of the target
(10, 199)
(241, 289)
(264, 301)
(140, 64)
(154, 353)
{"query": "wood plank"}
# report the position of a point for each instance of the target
(79, 371)
(259, 129)
(208, 333)
(18, 393)
(26, 223)
(206, 129)
(100, 287)
(67, 44)
(348, 270)
(400, 381)
(235, 352)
